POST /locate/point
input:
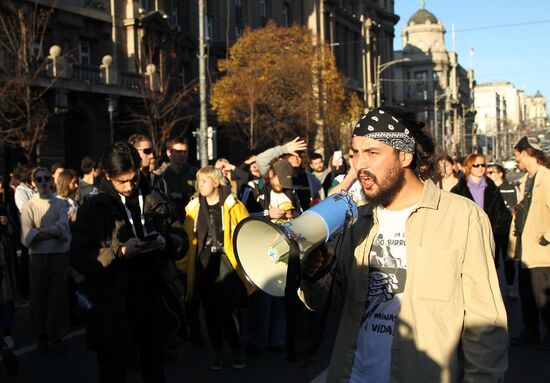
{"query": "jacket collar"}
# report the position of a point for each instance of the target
(431, 195)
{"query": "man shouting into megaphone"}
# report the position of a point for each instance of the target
(415, 273)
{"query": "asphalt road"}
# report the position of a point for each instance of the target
(526, 363)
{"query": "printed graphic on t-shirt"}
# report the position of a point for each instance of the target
(387, 275)
(386, 278)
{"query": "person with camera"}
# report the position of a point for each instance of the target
(210, 263)
(124, 246)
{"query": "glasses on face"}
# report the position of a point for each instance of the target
(43, 179)
(146, 150)
(478, 165)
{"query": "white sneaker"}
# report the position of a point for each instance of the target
(8, 340)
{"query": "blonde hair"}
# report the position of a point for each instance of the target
(213, 173)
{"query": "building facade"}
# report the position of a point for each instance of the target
(536, 114)
(430, 81)
(499, 129)
(112, 51)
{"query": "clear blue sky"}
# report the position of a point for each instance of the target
(518, 54)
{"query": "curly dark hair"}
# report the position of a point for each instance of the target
(424, 161)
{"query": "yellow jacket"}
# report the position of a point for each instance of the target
(452, 320)
(233, 212)
(537, 224)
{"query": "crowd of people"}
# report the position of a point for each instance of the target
(137, 249)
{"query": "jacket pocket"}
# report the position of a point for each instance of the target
(436, 273)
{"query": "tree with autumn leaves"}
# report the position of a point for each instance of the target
(278, 84)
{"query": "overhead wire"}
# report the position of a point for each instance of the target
(525, 23)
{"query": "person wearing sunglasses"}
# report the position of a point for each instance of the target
(146, 151)
(476, 186)
(45, 231)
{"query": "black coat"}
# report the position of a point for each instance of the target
(494, 205)
(101, 227)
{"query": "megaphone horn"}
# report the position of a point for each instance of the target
(263, 248)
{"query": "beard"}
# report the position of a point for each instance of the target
(386, 190)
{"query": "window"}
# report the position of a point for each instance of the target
(35, 50)
(145, 5)
(209, 28)
(238, 31)
(84, 52)
(263, 8)
(286, 14)
(420, 82)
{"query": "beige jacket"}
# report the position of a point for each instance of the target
(452, 320)
(537, 224)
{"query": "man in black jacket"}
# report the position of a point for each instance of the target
(123, 244)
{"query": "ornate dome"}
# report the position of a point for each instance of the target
(421, 16)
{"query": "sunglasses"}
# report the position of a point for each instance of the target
(147, 150)
(478, 165)
(43, 179)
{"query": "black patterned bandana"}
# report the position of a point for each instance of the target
(382, 126)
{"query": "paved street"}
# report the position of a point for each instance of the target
(527, 364)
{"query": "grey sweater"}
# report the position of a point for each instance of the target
(47, 213)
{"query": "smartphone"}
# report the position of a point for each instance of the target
(337, 155)
(151, 237)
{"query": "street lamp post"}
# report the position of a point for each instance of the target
(203, 129)
(379, 69)
(111, 108)
(463, 144)
(435, 127)
(55, 52)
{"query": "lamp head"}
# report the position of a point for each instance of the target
(55, 51)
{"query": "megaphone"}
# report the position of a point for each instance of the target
(262, 248)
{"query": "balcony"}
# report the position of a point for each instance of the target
(131, 80)
(86, 73)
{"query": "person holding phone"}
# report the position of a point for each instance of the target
(124, 245)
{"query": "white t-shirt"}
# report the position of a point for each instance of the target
(387, 275)
(281, 201)
(356, 190)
